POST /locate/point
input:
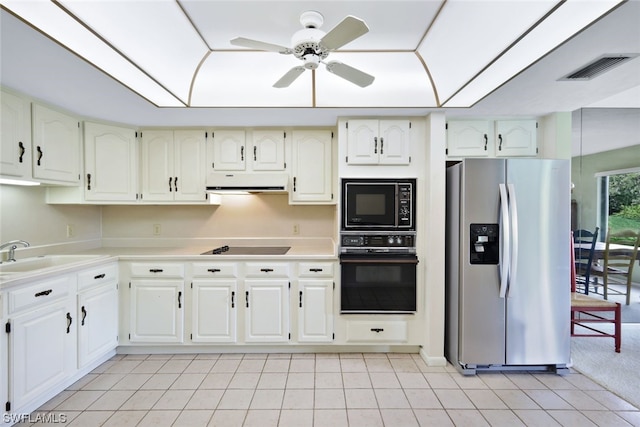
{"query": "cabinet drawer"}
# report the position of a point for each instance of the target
(213, 270)
(315, 269)
(371, 331)
(267, 269)
(40, 293)
(156, 269)
(97, 276)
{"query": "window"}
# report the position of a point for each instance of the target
(619, 200)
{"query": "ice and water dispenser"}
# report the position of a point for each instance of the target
(484, 244)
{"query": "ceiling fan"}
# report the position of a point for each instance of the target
(312, 46)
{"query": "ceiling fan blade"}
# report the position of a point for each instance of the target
(258, 45)
(349, 29)
(349, 73)
(289, 77)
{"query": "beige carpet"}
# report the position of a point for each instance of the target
(617, 372)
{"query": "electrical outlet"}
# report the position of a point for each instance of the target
(157, 229)
(70, 230)
(296, 228)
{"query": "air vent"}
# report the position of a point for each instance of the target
(599, 66)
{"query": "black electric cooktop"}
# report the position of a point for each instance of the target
(248, 250)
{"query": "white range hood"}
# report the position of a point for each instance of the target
(247, 182)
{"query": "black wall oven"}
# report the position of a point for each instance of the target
(378, 283)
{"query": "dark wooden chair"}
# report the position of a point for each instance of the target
(587, 312)
(584, 258)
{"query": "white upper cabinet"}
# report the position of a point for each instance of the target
(516, 138)
(232, 150)
(268, 150)
(110, 162)
(173, 165)
(56, 146)
(15, 136)
(378, 142)
(486, 138)
(312, 170)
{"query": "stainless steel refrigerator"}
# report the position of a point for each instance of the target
(508, 265)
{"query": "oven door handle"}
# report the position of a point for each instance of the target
(378, 261)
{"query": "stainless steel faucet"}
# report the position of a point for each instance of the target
(13, 245)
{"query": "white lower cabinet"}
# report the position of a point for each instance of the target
(315, 314)
(213, 311)
(156, 313)
(266, 310)
(97, 322)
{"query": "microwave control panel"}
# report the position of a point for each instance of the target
(379, 242)
(405, 204)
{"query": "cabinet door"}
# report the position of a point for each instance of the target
(189, 165)
(157, 165)
(394, 142)
(315, 315)
(312, 158)
(15, 136)
(56, 146)
(469, 138)
(267, 310)
(362, 142)
(214, 311)
(42, 347)
(516, 138)
(156, 311)
(97, 322)
(228, 150)
(110, 162)
(268, 150)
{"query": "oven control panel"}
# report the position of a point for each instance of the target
(378, 242)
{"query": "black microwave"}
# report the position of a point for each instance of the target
(378, 204)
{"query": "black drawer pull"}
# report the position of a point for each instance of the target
(99, 276)
(315, 270)
(43, 293)
(233, 299)
(69, 322)
(22, 150)
(246, 298)
(180, 299)
(214, 270)
(155, 270)
(84, 315)
(377, 330)
(89, 181)
(266, 270)
(300, 303)
(40, 153)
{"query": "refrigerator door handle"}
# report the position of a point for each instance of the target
(505, 232)
(513, 209)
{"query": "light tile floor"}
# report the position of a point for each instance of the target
(355, 389)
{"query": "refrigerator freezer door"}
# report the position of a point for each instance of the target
(481, 310)
(538, 299)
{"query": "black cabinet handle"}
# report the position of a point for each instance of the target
(88, 181)
(99, 276)
(486, 141)
(266, 270)
(214, 270)
(246, 298)
(233, 299)
(500, 142)
(381, 145)
(180, 299)
(170, 181)
(375, 144)
(43, 293)
(242, 153)
(255, 153)
(315, 270)
(84, 315)
(40, 153)
(300, 301)
(175, 184)
(69, 322)
(22, 150)
(155, 270)
(294, 183)
(377, 330)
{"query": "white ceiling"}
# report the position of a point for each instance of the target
(392, 50)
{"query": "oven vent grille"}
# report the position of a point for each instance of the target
(599, 66)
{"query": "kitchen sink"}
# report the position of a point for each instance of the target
(27, 265)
